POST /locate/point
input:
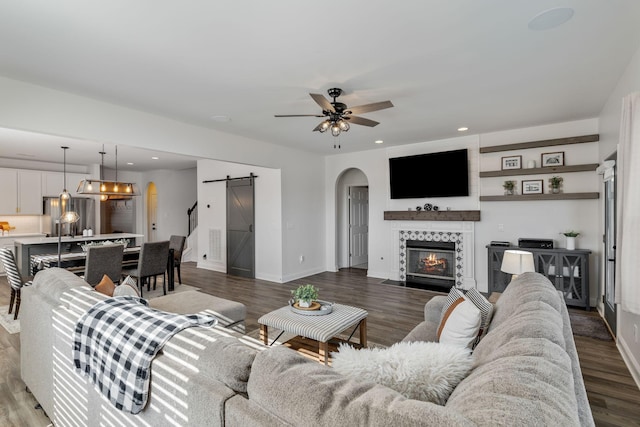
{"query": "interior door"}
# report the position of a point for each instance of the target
(240, 230)
(358, 225)
(610, 248)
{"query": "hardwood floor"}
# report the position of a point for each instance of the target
(393, 312)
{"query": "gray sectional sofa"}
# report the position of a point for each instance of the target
(526, 371)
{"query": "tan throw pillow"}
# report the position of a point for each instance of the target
(460, 324)
(105, 286)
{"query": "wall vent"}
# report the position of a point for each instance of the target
(215, 244)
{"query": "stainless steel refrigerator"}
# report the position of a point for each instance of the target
(83, 206)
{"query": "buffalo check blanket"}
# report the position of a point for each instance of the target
(115, 342)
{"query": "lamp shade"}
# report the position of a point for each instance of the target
(517, 262)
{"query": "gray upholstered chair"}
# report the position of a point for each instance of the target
(13, 277)
(177, 244)
(152, 263)
(101, 260)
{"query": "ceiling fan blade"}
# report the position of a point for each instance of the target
(322, 101)
(370, 107)
(361, 121)
(298, 115)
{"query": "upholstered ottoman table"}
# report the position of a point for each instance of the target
(230, 314)
(319, 328)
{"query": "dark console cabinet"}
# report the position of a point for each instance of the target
(568, 270)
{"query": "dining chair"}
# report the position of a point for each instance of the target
(177, 244)
(152, 263)
(101, 260)
(13, 277)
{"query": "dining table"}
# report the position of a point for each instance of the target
(75, 262)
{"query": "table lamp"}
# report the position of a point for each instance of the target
(517, 262)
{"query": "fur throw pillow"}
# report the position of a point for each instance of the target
(424, 371)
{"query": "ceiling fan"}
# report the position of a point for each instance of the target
(338, 115)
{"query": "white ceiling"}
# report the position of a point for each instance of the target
(443, 64)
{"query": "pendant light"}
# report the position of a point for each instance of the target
(108, 189)
(64, 199)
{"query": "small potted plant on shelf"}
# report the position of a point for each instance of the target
(509, 187)
(305, 295)
(554, 183)
(571, 238)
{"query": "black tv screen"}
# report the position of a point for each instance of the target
(444, 174)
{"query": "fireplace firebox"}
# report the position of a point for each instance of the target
(431, 265)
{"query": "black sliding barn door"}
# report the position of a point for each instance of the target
(240, 230)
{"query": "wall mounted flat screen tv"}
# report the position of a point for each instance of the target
(444, 174)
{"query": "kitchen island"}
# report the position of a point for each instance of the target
(25, 247)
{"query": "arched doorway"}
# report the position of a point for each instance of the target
(152, 212)
(352, 219)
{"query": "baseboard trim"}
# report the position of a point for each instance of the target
(378, 274)
(629, 360)
(295, 276)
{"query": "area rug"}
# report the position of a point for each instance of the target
(589, 326)
(7, 322)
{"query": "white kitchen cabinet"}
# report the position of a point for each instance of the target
(9, 191)
(21, 192)
(53, 184)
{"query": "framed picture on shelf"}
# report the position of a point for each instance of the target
(512, 162)
(553, 159)
(532, 186)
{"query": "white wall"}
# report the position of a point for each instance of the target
(540, 219)
(177, 192)
(609, 135)
(212, 214)
(37, 109)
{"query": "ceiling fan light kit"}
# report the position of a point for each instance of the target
(337, 115)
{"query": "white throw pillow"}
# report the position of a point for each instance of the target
(460, 324)
(486, 310)
(127, 287)
(424, 371)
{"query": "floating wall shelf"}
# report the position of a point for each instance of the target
(537, 171)
(545, 143)
(432, 215)
(531, 197)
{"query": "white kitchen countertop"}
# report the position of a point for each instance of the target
(44, 240)
(12, 235)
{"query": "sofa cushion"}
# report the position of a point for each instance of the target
(280, 376)
(527, 382)
(526, 288)
(425, 371)
(485, 307)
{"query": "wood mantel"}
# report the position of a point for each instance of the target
(432, 216)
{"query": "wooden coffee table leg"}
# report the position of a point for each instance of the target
(363, 332)
(323, 352)
(264, 334)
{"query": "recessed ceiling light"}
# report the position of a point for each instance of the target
(155, 158)
(221, 118)
(463, 129)
(379, 141)
(130, 164)
(550, 18)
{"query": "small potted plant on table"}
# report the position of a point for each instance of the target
(571, 238)
(305, 295)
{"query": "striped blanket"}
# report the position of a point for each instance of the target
(115, 342)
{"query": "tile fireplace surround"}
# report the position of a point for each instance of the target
(459, 232)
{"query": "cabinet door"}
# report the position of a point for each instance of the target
(545, 263)
(9, 186)
(51, 184)
(498, 279)
(571, 279)
(29, 193)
